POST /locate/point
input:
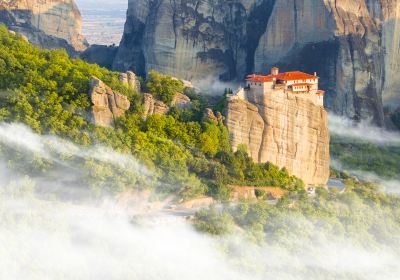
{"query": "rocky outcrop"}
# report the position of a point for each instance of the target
(209, 116)
(246, 126)
(152, 106)
(46, 23)
(106, 103)
(354, 45)
(285, 130)
(131, 80)
(181, 101)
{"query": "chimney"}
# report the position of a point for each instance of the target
(315, 74)
(274, 71)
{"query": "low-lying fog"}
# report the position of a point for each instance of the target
(365, 132)
(44, 237)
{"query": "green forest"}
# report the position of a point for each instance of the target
(48, 91)
(360, 155)
(190, 155)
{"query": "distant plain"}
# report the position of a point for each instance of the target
(103, 21)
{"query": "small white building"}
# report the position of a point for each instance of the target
(301, 84)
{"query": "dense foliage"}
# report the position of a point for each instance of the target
(364, 156)
(361, 213)
(48, 91)
(163, 87)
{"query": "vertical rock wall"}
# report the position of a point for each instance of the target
(391, 40)
(354, 45)
(285, 130)
(47, 23)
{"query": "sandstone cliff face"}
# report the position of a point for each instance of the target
(285, 130)
(46, 23)
(106, 103)
(354, 45)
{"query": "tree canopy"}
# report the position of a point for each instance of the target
(48, 91)
(163, 87)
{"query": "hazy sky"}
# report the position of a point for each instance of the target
(103, 21)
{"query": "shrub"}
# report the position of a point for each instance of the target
(260, 194)
(163, 87)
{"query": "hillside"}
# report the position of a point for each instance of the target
(103, 198)
(49, 92)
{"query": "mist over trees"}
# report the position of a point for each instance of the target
(53, 157)
(48, 91)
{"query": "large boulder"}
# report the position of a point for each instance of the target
(152, 106)
(209, 116)
(181, 101)
(131, 80)
(107, 104)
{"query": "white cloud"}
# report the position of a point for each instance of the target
(389, 185)
(213, 86)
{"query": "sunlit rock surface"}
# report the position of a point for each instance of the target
(354, 45)
(285, 130)
(131, 80)
(152, 106)
(46, 23)
(106, 103)
(181, 101)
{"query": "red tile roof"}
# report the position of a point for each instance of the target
(286, 76)
(259, 78)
